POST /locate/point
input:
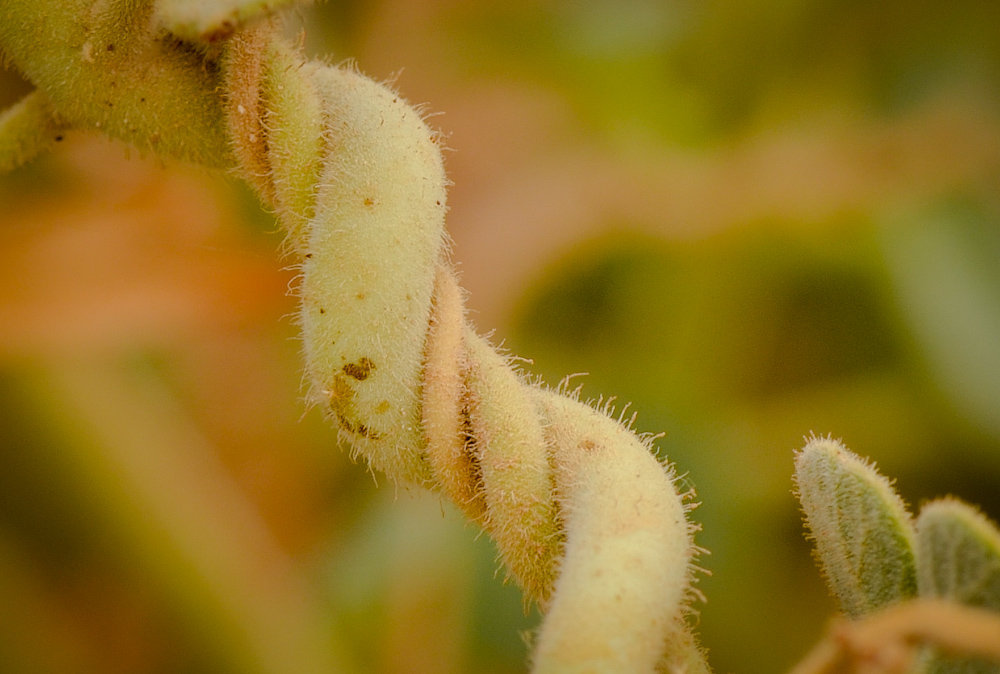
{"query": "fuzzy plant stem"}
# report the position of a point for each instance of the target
(587, 521)
(26, 129)
(892, 640)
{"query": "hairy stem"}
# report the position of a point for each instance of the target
(27, 129)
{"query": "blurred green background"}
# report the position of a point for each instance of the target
(753, 220)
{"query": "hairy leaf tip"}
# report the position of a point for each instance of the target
(958, 558)
(861, 528)
(958, 554)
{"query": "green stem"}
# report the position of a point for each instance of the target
(27, 129)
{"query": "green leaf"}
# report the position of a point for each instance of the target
(861, 528)
(958, 554)
(958, 558)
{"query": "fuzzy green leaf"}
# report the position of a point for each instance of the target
(861, 528)
(958, 554)
(958, 558)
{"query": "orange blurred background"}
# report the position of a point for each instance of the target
(754, 220)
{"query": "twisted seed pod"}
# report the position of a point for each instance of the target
(586, 519)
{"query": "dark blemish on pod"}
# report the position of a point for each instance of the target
(342, 406)
(361, 296)
(59, 139)
(588, 446)
(111, 47)
(382, 407)
(309, 256)
(468, 460)
(367, 432)
(322, 310)
(358, 428)
(369, 201)
(359, 370)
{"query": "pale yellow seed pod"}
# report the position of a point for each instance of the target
(516, 475)
(199, 20)
(294, 141)
(445, 399)
(623, 580)
(368, 273)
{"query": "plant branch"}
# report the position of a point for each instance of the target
(889, 641)
(27, 129)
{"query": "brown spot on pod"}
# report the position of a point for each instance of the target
(342, 406)
(359, 370)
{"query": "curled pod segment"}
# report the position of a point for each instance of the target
(625, 575)
(373, 249)
(357, 179)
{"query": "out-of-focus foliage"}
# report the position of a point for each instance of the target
(751, 219)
